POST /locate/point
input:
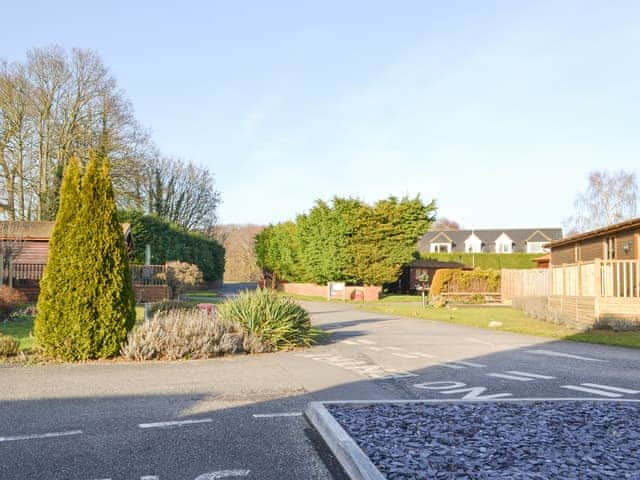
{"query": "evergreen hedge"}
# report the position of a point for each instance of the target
(346, 240)
(86, 304)
(171, 243)
(495, 261)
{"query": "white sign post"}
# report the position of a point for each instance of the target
(336, 288)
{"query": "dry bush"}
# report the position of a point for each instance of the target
(179, 334)
(10, 301)
(181, 275)
(9, 346)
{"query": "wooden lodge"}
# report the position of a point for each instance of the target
(595, 277)
(24, 249)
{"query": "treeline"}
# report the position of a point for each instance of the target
(56, 105)
(346, 240)
(169, 242)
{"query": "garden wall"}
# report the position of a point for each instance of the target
(151, 293)
(370, 293)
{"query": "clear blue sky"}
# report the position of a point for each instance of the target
(496, 109)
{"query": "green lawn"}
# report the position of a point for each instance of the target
(513, 320)
(20, 328)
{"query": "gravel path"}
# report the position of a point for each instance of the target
(498, 440)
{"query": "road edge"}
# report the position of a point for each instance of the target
(353, 460)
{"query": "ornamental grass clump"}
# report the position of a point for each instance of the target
(177, 334)
(9, 346)
(279, 321)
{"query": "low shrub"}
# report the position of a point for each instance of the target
(10, 301)
(279, 321)
(464, 281)
(169, 305)
(181, 275)
(177, 334)
(9, 346)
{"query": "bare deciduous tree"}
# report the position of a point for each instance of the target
(240, 257)
(445, 224)
(610, 197)
(181, 192)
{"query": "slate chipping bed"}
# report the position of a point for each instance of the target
(498, 440)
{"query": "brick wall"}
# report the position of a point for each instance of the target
(370, 292)
(150, 293)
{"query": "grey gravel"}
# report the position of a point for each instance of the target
(498, 440)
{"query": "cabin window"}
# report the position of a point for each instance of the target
(440, 247)
(610, 248)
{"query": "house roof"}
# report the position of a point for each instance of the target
(489, 236)
(616, 227)
(37, 230)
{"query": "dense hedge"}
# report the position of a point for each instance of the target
(346, 240)
(170, 242)
(495, 261)
(467, 281)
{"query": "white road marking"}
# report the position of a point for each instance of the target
(274, 415)
(470, 364)
(439, 385)
(592, 390)
(391, 374)
(404, 355)
(551, 353)
(375, 349)
(532, 375)
(475, 393)
(613, 389)
(223, 474)
(450, 365)
(509, 377)
(393, 348)
(366, 342)
(349, 342)
(477, 340)
(176, 423)
(150, 477)
(425, 355)
(37, 436)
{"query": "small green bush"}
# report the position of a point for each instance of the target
(464, 281)
(10, 301)
(177, 334)
(279, 321)
(181, 275)
(168, 305)
(9, 346)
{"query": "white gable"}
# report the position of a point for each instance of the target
(473, 244)
(504, 244)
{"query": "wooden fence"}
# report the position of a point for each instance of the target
(600, 278)
(525, 283)
(25, 275)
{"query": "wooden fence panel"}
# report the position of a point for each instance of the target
(525, 283)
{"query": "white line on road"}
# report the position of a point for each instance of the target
(613, 389)
(366, 342)
(176, 423)
(509, 377)
(41, 435)
(274, 415)
(451, 365)
(532, 375)
(375, 349)
(425, 355)
(223, 474)
(591, 390)
(404, 355)
(349, 342)
(393, 348)
(470, 364)
(477, 340)
(551, 353)
(150, 477)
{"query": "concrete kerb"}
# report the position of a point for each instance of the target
(353, 460)
(357, 464)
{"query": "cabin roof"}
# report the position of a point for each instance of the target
(609, 229)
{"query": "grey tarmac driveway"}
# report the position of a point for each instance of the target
(93, 412)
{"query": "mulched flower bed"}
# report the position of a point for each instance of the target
(498, 440)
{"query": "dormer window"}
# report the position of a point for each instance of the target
(473, 244)
(440, 248)
(504, 244)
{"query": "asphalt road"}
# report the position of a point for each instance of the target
(239, 417)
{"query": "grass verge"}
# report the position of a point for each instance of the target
(512, 320)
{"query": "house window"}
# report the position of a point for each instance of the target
(535, 247)
(610, 248)
(440, 248)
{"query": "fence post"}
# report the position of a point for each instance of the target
(10, 273)
(597, 278)
(1, 269)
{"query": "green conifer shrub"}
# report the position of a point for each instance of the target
(86, 305)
